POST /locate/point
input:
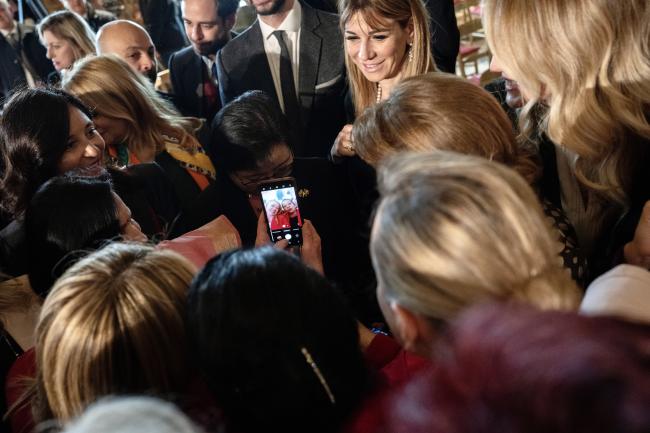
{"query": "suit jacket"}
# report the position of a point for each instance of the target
(320, 198)
(445, 37)
(242, 65)
(11, 70)
(188, 72)
(162, 19)
(97, 18)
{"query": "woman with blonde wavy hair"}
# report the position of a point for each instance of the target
(590, 94)
(67, 38)
(452, 231)
(112, 324)
(431, 111)
(385, 41)
(137, 125)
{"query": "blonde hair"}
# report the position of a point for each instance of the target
(71, 27)
(453, 230)
(112, 324)
(440, 111)
(589, 62)
(375, 13)
(109, 87)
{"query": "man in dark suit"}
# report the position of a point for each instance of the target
(163, 23)
(193, 75)
(294, 53)
(94, 17)
(22, 57)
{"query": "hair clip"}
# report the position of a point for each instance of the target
(318, 373)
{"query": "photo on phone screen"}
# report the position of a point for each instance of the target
(282, 212)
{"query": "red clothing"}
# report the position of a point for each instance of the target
(22, 370)
(279, 221)
(394, 366)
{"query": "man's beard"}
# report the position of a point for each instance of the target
(209, 49)
(276, 5)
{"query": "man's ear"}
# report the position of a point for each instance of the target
(229, 22)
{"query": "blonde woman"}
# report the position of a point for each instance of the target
(113, 324)
(431, 111)
(589, 93)
(139, 126)
(67, 38)
(452, 231)
(385, 41)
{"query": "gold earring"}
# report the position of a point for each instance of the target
(410, 53)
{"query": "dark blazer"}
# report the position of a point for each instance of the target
(188, 72)
(97, 18)
(445, 37)
(11, 71)
(242, 65)
(162, 20)
(320, 199)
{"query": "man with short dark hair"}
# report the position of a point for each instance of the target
(294, 53)
(193, 75)
(22, 57)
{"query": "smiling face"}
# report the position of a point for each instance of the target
(59, 50)
(113, 130)
(267, 7)
(273, 208)
(85, 147)
(514, 97)
(379, 53)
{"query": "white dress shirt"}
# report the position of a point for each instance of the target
(291, 27)
(209, 63)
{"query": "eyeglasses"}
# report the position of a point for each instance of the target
(283, 170)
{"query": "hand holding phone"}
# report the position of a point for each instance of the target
(281, 210)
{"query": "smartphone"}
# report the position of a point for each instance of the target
(281, 209)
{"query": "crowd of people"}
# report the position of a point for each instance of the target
(471, 259)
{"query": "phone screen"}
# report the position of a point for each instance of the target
(282, 211)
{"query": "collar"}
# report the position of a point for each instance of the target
(290, 24)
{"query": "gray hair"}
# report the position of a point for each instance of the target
(132, 415)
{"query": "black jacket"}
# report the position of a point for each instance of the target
(12, 75)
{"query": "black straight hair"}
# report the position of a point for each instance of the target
(35, 126)
(254, 317)
(245, 131)
(68, 217)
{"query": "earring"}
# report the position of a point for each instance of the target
(410, 53)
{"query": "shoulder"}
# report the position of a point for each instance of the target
(246, 38)
(323, 18)
(183, 57)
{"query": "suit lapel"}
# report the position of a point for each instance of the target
(310, 55)
(259, 64)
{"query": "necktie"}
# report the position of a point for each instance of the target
(291, 107)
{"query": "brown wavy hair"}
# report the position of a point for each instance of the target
(441, 111)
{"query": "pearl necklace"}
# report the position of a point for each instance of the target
(378, 100)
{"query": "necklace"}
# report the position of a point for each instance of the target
(378, 93)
